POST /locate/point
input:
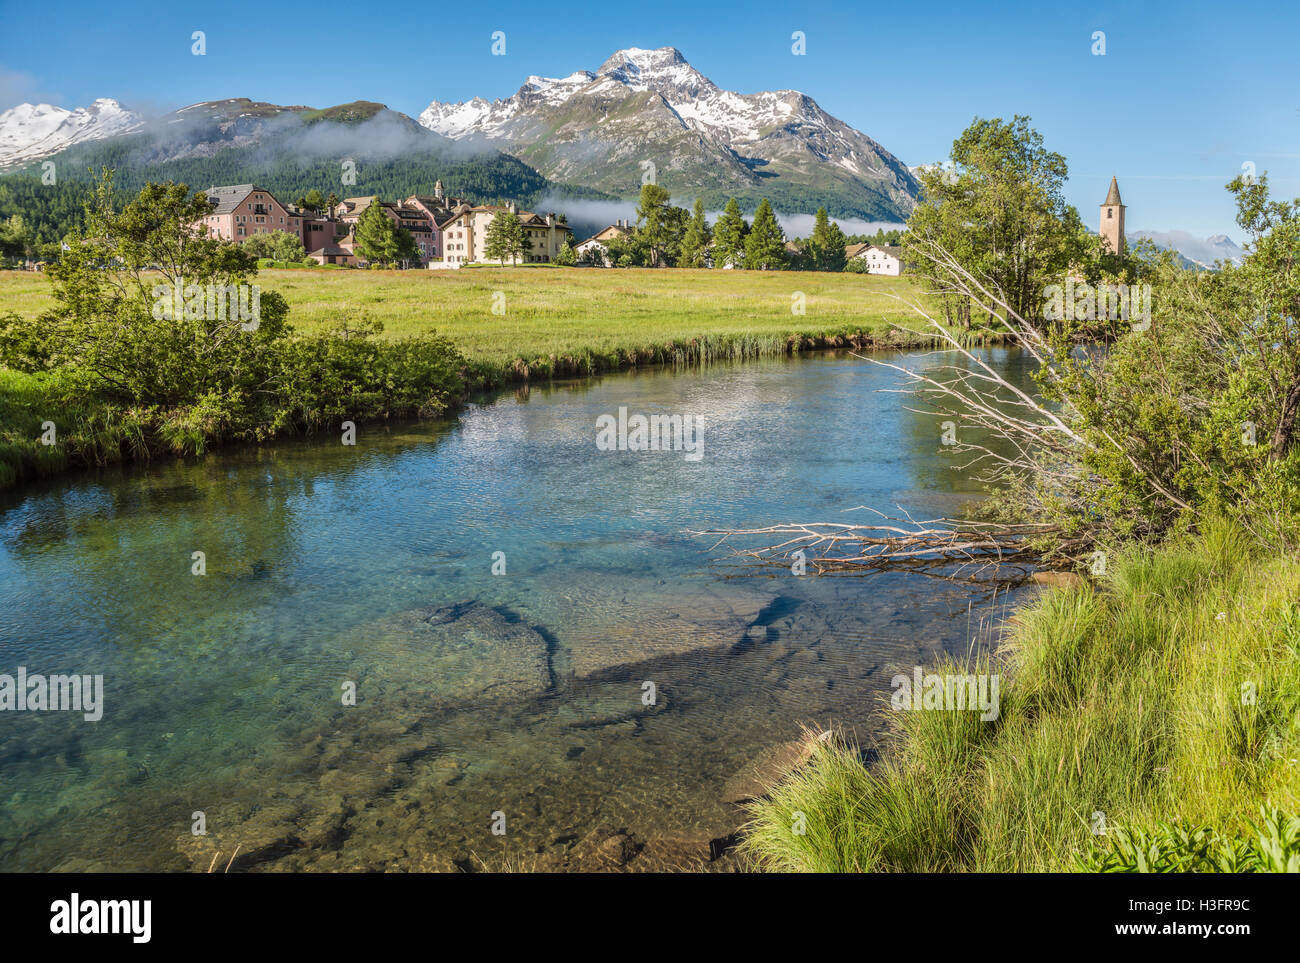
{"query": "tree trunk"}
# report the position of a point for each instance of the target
(1282, 437)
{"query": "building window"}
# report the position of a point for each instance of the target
(1110, 212)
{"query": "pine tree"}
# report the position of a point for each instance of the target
(729, 237)
(376, 236)
(695, 242)
(827, 244)
(654, 225)
(765, 246)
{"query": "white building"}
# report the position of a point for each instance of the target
(879, 258)
(597, 241)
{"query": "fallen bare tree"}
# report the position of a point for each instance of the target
(945, 548)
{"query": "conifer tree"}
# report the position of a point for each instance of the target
(695, 242)
(729, 237)
(765, 246)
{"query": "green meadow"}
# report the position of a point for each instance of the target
(544, 313)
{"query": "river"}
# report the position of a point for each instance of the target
(597, 703)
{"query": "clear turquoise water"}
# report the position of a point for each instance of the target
(223, 692)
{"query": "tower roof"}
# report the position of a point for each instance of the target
(1112, 196)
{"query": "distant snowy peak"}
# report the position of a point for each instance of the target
(1203, 252)
(29, 132)
(665, 71)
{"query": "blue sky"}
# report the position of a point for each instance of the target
(1184, 95)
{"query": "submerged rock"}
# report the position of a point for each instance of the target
(1058, 579)
(453, 656)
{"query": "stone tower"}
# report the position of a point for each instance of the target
(1112, 219)
(437, 190)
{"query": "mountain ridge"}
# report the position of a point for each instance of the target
(642, 106)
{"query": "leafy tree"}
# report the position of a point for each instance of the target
(115, 329)
(696, 239)
(1000, 212)
(729, 236)
(565, 257)
(765, 246)
(827, 244)
(505, 238)
(276, 245)
(379, 240)
(16, 238)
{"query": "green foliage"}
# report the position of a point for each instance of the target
(505, 238)
(1272, 846)
(729, 236)
(276, 245)
(826, 247)
(1194, 416)
(765, 245)
(159, 341)
(1000, 211)
(656, 224)
(694, 248)
(565, 256)
(380, 241)
(47, 211)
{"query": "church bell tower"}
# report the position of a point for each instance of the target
(1112, 219)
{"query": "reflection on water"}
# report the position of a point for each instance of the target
(476, 694)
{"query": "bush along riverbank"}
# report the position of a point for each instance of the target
(1149, 721)
(161, 343)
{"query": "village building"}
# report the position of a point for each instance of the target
(244, 210)
(878, 258)
(333, 254)
(601, 238)
(464, 236)
(1111, 227)
(448, 231)
(410, 217)
(439, 209)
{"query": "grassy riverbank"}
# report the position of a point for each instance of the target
(1165, 697)
(559, 322)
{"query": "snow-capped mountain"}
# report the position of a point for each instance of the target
(1202, 252)
(650, 106)
(29, 132)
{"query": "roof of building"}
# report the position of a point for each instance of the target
(1112, 196)
(893, 250)
(526, 218)
(331, 251)
(853, 250)
(227, 198)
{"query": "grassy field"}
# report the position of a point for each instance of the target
(569, 313)
(1164, 698)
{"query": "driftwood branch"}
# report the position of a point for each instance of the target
(947, 548)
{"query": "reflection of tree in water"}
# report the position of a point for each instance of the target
(934, 466)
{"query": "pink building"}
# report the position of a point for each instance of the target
(245, 209)
(439, 209)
